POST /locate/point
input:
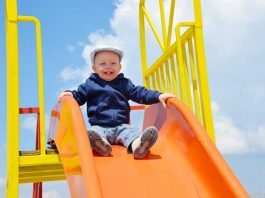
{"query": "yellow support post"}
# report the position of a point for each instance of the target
(194, 81)
(163, 22)
(186, 77)
(202, 71)
(12, 88)
(162, 78)
(174, 76)
(180, 66)
(154, 84)
(142, 42)
(168, 81)
(170, 23)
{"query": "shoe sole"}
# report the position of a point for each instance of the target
(98, 144)
(148, 139)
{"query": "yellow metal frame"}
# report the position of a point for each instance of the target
(12, 99)
(23, 167)
(183, 61)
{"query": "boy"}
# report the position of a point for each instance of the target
(107, 93)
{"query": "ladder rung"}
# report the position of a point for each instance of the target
(34, 167)
(29, 153)
(37, 152)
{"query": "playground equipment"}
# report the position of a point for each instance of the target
(186, 155)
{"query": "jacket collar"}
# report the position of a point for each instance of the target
(95, 77)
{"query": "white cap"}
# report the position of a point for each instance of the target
(99, 49)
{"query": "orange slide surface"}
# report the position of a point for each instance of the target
(183, 163)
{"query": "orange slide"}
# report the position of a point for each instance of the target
(183, 163)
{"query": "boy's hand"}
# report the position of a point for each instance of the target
(164, 96)
(65, 93)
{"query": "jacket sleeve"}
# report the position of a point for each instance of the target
(142, 95)
(80, 95)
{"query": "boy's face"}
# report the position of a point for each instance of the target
(107, 65)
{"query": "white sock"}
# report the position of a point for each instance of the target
(136, 143)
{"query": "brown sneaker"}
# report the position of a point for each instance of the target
(99, 144)
(145, 142)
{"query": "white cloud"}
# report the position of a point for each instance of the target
(228, 137)
(70, 48)
(99, 38)
(73, 73)
(229, 24)
(227, 11)
(261, 3)
(51, 194)
(232, 139)
(29, 123)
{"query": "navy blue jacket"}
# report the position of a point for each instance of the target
(107, 101)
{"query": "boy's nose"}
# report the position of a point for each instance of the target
(109, 64)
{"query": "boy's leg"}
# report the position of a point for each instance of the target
(125, 134)
(135, 141)
(142, 144)
(98, 141)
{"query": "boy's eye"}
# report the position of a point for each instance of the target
(102, 63)
(113, 63)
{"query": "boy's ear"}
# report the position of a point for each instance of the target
(94, 68)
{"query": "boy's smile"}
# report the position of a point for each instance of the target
(107, 65)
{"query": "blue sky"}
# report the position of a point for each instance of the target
(234, 42)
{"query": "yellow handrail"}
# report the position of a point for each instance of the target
(40, 77)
